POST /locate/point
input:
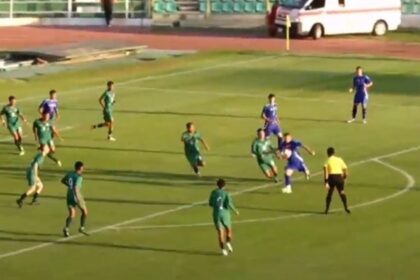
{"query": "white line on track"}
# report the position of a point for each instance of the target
(184, 207)
(410, 184)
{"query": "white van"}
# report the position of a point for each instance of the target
(329, 17)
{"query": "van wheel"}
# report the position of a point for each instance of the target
(317, 31)
(380, 28)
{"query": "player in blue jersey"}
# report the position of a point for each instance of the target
(50, 107)
(289, 150)
(271, 119)
(361, 84)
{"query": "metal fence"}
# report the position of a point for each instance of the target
(71, 8)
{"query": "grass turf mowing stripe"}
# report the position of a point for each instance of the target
(177, 209)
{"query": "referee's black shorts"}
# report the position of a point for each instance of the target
(336, 181)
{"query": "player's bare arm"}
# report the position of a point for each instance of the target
(264, 117)
(345, 173)
(34, 130)
(206, 146)
(101, 101)
(22, 117)
(308, 150)
(57, 114)
(326, 177)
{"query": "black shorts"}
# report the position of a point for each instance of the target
(336, 181)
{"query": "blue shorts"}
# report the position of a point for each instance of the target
(360, 99)
(272, 128)
(296, 166)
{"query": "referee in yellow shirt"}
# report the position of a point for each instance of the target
(335, 174)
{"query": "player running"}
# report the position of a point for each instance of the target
(271, 119)
(43, 132)
(190, 138)
(335, 174)
(73, 181)
(50, 106)
(34, 181)
(12, 114)
(221, 202)
(264, 152)
(361, 84)
(107, 101)
(289, 150)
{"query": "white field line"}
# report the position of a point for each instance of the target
(252, 95)
(153, 77)
(410, 184)
(172, 210)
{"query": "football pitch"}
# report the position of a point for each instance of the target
(148, 213)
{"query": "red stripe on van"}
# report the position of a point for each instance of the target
(311, 13)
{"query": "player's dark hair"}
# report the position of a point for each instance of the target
(286, 134)
(271, 95)
(78, 165)
(109, 83)
(189, 124)
(221, 183)
(359, 68)
(330, 151)
(259, 130)
(11, 97)
(52, 91)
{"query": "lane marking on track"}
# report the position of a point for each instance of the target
(410, 184)
(177, 209)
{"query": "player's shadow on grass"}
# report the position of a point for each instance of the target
(173, 113)
(145, 151)
(100, 200)
(139, 177)
(108, 246)
(279, 210)
(20, 233)
(313, 120)
(168, 179)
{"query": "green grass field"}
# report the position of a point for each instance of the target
(147, 218)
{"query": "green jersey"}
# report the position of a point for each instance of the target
(263, 150)
(191, 142)
(73, 181)
(108, 97)
(221, 202)
(12, 115)
(43, 130)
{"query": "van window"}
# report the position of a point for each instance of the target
(342, 3)
(316, 4)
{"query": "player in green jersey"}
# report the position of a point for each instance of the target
(73, 181)
(42, 130)
(107, 101)
(191, 139)
(12, 114)
(34, 181)
(264, 152)
(221, 202)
